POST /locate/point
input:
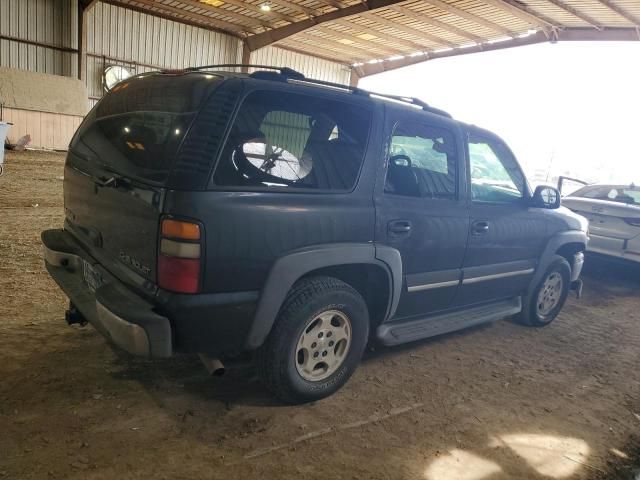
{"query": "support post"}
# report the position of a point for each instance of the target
(246, 57)
(82, 41)
(353, 78)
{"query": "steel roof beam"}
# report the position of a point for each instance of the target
(567, 34)
(458, 12)
(267, 38)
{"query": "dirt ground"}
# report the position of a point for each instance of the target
(499, 401)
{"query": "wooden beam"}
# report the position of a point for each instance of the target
(246, 6)
(576, 13)
(166, 16)
(458, 12)
(267, 38)
(420, 17)
(408, 30)
(202, 19)
(355, 38)
(620, 11)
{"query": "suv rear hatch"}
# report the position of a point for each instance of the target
(119, 167)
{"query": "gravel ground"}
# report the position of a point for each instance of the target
(498, 401)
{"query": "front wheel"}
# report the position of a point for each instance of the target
(317, 341)
(548, 297)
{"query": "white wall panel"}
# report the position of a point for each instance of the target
(46, 21)
(310, 66)
(117, 36)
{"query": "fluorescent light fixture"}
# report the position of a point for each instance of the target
(366, 36)
(346, 41)
(265, 7)
(416, 54)
(468, 45)
(395, 57)
(442, 50)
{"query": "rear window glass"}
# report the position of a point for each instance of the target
(287, 140)
(136, 129)
(629, 195)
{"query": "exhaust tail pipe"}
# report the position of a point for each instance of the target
(213, 365)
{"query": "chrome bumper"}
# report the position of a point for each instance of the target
(114, 310)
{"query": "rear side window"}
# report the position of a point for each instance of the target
(136, 129)
(293, 141)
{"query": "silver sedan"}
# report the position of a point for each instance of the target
(614, 218)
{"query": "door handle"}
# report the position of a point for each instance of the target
(480, 227)
(399, 227)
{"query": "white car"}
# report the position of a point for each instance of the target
(614, 218)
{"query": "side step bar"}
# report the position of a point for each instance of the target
(402, 332)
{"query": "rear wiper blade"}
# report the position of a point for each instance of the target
(112, 180)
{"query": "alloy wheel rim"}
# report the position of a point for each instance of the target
(550, 294)
(323, 345)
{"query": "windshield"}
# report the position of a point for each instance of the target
(137, 128)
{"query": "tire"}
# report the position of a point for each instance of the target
(310, 311)
(538, 312)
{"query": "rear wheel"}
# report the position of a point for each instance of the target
(547, 299)
(316, 342)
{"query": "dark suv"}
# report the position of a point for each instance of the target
(218, 213)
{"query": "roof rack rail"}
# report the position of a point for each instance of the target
(294, 75)
(413, 101)
(399, 98)
(284, 71)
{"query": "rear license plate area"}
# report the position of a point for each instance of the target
(92, 277)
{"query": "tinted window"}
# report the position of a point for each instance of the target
(495, 174)
(630, 195)
(286, 140)
(136, 129)
(422, 162)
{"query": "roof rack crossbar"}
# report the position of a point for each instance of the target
(285, 71)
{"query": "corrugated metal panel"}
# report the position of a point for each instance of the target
(118, 36)
(46, 21)
(310, 66)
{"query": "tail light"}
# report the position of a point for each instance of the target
(633, 221)
(179, 257)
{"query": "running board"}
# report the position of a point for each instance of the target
(409, 331)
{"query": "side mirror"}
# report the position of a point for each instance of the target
(546, 197)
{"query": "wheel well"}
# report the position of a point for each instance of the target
(371, 281)
(568, 250)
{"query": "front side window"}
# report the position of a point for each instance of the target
(495, 174)
(422, 162)
(287, 140)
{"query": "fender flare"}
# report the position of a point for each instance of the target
(289, 268)
(549, 253)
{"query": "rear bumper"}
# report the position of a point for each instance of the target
(113, 309)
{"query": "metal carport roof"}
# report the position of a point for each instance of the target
(377, 35)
